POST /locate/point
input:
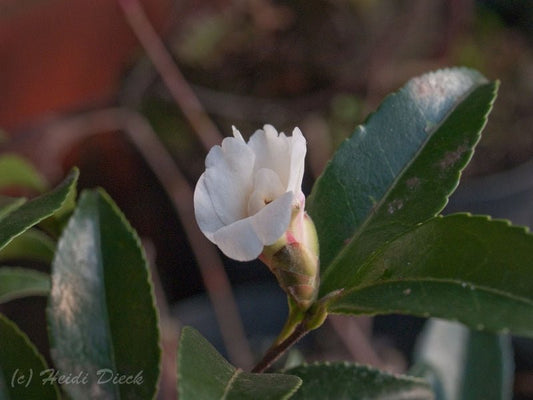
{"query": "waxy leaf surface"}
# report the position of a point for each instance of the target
(466, 268)
(101, 315)
(397, 169)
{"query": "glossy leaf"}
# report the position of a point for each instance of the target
(465, 364)
(18, 282)
(55, 223)
(21, 366)
(101, 315)
(397, 169)
(471, 269)
(32, 245)
(344, 381)
(8, 204)
(203, 374)
(16, 171)
(32, 212)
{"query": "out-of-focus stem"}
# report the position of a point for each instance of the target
(178, 87)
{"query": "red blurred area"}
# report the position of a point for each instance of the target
(63, 55)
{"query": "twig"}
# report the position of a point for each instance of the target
(355, 340)
(178, 87)
(277, 350)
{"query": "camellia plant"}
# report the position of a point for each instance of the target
(368, 240)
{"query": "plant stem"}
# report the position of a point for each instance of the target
(277, 350)
(174, 80)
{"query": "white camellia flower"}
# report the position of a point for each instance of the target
(245, 198)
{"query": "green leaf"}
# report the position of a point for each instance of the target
(471, 269)
(32, 212)
(451, 356)
(32, 245)
(21, 366)
(8, 204)
(398, 169)
(101, 314)
(344, 381)
(18, 282)
(203, 374)
(16, 171)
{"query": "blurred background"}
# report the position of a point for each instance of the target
(135, 92)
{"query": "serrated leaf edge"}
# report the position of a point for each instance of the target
(360, 229)
(109, 201)
(30, 345)
(69, 181)
(468, 216)
(364, 367)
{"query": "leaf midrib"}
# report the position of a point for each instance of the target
(105, 317)
(457, 282)
(230, 383)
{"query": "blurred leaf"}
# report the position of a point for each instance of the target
(18, 282)
(467, 268)
(32, 212)
(344, 381)
(101, 311)
(204, 374)
(464, 364)
(16, 171)
(202, 44)
(398, 169)
(32, 245)
(20, 366)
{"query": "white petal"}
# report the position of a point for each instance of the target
(239, 240)
(204, 210)
(267, 188)
(297, 163)
(236, 133)
(272, 152)
(228, 178)
(273, 220)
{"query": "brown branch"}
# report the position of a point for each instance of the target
(178, 87)
(276, 351)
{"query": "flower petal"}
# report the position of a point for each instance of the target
(267, 188)
(204, 210)
(237, 134)
(274, 219)
(239, 240)
(297, 163)
(272, 152)
(228, 178)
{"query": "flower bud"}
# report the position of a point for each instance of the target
(293, 259)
